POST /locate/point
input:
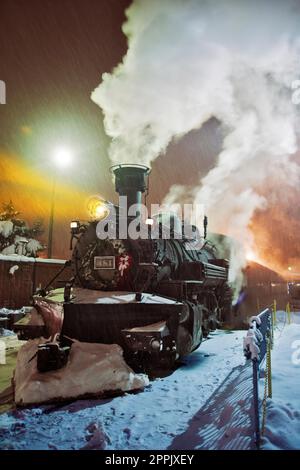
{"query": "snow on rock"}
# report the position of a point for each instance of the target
(283, 410)
(92, 370)
(96, 438)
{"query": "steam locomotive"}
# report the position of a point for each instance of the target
(155, 296)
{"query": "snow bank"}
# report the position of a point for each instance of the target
(283, 410)
(4, 332)
(27, 259)
(7, 311)
(92, 370)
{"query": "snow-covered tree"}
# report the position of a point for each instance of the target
(15, 235)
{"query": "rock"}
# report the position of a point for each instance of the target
(92, 370)
(96, 438)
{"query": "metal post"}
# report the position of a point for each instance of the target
(275, 311)
(51, 220)
(288, 310)
(269, 368)
(256, 402)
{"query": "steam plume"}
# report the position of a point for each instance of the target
(190, 60)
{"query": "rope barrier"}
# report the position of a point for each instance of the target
(257, 347)
(267, 386)
(268, 391)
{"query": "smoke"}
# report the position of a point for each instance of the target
(188, 61)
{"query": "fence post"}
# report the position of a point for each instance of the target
(288, 311)
(256, 402)
(257, 346)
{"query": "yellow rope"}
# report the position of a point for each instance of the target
(264, 413)
(269, 369)
(288, 311)
(267, 385)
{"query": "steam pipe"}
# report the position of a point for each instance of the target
(131, 180)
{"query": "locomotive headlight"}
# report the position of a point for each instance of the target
(100, 211)
(98, 208)
(75, 226)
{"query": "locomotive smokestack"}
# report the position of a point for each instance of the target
(132, 181)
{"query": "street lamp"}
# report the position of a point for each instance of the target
(62, 157)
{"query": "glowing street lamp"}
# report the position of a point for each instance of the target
(62, 158)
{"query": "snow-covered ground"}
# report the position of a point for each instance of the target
(153, 418)
(148, 420)
(283, 410)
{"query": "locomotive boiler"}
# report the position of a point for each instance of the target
(156, 296)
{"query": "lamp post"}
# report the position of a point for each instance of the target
(61, 158)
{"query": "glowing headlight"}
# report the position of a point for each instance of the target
(75, 226)
(98, 208)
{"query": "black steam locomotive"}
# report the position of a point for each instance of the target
(155, 296)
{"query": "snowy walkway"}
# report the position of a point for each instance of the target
(204, 404)
(224, 422)
(148, 420)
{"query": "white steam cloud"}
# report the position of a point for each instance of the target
(189, 60)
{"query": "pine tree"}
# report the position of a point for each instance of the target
(8, 211)
(15, 236)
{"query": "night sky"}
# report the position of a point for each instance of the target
(52, 56)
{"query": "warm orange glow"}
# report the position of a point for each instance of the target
(31, 193)
(251, 256)
(97, 208)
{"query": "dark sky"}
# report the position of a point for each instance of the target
(52, 56)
